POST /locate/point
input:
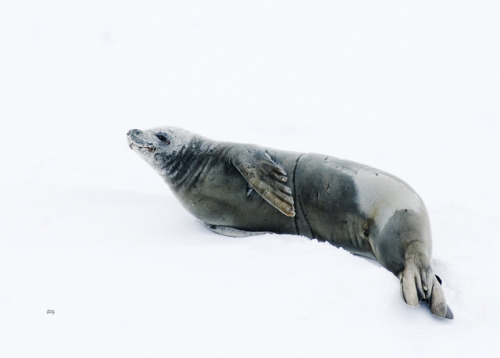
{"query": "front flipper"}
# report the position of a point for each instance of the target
(232, 232)
(265, 177)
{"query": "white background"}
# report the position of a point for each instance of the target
(88, 230)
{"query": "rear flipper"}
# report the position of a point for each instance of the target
(419, 283)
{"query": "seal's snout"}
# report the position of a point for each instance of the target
(137, 140)
(130, 135)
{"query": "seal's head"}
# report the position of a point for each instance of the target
(159, 146)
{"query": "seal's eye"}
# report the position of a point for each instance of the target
(162, 138)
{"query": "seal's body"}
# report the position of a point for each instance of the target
(241, 189)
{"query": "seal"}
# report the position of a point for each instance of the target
(243, 189)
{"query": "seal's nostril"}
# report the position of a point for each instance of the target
(134, 132)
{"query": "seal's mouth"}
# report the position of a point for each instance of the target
(147, 148)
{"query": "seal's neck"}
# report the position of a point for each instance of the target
(184, 166)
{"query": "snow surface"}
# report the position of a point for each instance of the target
(89, 231)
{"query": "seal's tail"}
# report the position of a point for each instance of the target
(418, 283)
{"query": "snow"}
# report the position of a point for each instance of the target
(89, 231)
